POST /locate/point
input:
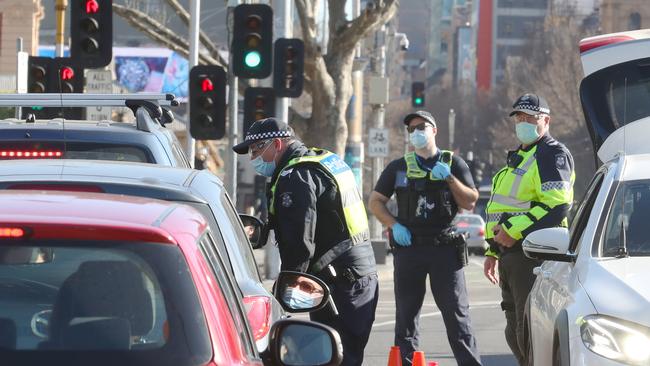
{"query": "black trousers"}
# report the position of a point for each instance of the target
(516, 279)
(356, 303)
(447, 281)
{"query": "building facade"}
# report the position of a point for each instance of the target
(624, 15)
(18, 18)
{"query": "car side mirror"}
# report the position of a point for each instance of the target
(304, 343)
(548, 244)
(300, 292)
(253, 228)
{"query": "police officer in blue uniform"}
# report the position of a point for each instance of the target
(430, 185)
(321, 227)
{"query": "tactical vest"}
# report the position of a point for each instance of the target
(354, 211)
(425, 204)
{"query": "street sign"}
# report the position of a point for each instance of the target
(378, 146)
(99, 82)
(21, 73)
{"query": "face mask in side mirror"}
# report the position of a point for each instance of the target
(300, 292)
(304, 343)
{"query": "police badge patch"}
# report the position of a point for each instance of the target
(560, 161)
(286, 199)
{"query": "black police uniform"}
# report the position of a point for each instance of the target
(427, 208)
(308, 222)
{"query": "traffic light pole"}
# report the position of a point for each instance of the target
(60, 7)
(286, 31)
(195, 14)
(233, 126)
(378, 162)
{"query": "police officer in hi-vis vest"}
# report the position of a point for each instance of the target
(430, 185)
(321, 227)
(533, 191)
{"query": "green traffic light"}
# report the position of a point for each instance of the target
(418, 101)
(252, 59)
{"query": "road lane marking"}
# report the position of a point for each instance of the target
(477, 305)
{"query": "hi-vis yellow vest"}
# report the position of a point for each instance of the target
(352, 206)
(519, 193)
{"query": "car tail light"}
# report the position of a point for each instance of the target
(481, 232)
(57, 187)
(462, 224)
(595, 42)
(12, 232)
(258, 311)
(30, 154)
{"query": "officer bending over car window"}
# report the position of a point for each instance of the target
(430, 185)
(321, 227)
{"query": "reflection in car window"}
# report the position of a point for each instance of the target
(627, 223)
(117, 297)
(206, 245)
(579, 221)
(235, 232)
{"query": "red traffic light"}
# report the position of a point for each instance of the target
(207, 85)
(67, 73)
(92, 6)
(253, 22)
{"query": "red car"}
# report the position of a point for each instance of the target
(100, 279)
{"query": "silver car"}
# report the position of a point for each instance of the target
(474, 226)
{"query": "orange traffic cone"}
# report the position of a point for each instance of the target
(394, 357)
(418, 359)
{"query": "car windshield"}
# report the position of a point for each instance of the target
(67, 303)
(627, 222)
(11, 150)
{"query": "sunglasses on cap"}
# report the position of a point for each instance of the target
(420, 127)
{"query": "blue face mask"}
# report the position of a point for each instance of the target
(418, 139)
(526, 132)
(298, 299)
(264, 168)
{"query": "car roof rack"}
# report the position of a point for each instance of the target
(151, 102)
(82, 99)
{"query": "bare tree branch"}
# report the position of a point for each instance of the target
(347, 35)
(205, 40)
(160, 33)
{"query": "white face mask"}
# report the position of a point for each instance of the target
(419, 138)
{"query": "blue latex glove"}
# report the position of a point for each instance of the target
(440, 171)
(401, 234)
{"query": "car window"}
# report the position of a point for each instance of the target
(227, 287)
(73, 150)
(114, 297)
(626, 228)
(235, 232)
(581, 217)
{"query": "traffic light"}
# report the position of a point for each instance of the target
(259, 103)
(92, 32)
(288, 66)
(417, 94)
(252, 41)
(207, 102)
(38, 77)
(54, 75)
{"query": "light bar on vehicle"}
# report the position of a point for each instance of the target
(82, 99)
(10, 154)
(591, 43)
(11, 232)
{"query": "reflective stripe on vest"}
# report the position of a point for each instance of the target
(505, 198)
(352, 206)
(413, 170)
